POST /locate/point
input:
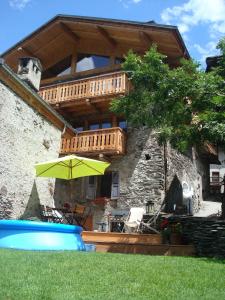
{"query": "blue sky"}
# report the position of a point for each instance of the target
(201, 22)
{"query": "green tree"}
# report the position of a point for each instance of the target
(185, 105)
(220, 70)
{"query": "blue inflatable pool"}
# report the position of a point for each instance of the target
(29, 235)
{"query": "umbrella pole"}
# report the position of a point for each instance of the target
(71, 201)
(71, 171)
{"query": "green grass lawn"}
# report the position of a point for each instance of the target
(76, 275)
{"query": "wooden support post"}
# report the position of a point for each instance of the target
(114, 121)
(86, 124)
(112, 59)
(73, 63)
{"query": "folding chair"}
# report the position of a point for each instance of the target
(80, 214)
(151, 224)
(134, 219)
(49, 214)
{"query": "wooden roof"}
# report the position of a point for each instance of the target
(54, 42)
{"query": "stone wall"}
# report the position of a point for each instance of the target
(207, 235)
(26, 138)
(142, 176)
(187, 168)
(141, 170)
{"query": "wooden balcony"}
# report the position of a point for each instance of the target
(110, 141)
(102, 86)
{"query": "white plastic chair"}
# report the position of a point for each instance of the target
(134, 219)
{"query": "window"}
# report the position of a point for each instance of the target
(106, 185)
(106, 125)
(79, 129)
(89, 62)
(65, 72)
(91, 179)
(94, 126)
(215, 176)
(123, 124)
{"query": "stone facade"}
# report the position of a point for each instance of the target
(141, 170)
(26, 138)
(142, 178)
(189, 168)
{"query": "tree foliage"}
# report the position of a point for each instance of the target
(184, 105)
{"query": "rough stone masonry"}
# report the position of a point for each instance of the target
(26, 138)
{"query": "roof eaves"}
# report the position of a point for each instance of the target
(83, 18)
(29, 35)
(148, 24)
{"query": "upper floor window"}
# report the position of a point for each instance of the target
(94, 126)
(79, 129)
(106, 125)
(123, 124)
(89, 62)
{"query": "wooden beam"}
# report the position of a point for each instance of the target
(26, 51)
(69, 32)
(30, 54)
(106, 36)
(48, 44)
(144, 37)
(68, 116)
(79, 119)
(73, 63)
(92, 105)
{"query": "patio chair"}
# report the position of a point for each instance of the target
(50, 214)
(80, 214)
(150, 225)
(134, 219)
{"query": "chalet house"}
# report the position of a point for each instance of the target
(81, 74)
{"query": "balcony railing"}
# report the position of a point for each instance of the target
(99, 86)
(109, 141)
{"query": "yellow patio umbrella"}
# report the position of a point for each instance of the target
(71, 166)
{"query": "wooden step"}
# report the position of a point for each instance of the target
(124, 238)
(169, 250)
(134, 243)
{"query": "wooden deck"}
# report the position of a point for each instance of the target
(110, 141)
(150, 244)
